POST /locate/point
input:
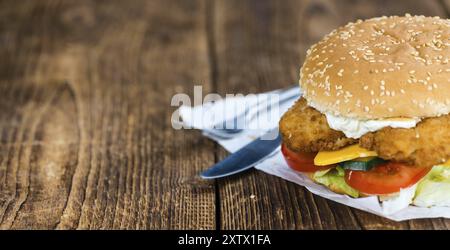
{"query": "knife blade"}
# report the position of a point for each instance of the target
(246, 157)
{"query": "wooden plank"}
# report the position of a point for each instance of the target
(446, 6)
(86, 136)
(259, 47)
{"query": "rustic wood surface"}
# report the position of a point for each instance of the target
(85, 116)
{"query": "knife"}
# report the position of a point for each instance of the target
(246, 157)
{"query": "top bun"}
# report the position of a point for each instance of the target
(380, 68)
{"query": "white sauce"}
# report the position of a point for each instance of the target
(354, 128)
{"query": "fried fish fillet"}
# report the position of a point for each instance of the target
(304, 129)
(427, 144)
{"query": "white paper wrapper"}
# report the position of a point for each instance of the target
(396, 210)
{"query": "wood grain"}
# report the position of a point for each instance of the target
(85, 118)
(86, 128)
(259, 46)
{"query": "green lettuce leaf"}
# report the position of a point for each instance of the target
(434, 188)
(334, 180)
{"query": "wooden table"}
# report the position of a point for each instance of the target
(85, 114)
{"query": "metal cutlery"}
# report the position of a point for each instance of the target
(246, 157)
(222, 130)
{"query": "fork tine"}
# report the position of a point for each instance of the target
(228, 133)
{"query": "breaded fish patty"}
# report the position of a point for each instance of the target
(427, 144)
(305, 129)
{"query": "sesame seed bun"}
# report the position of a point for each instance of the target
(381, 68)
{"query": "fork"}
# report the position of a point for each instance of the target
(220, 129)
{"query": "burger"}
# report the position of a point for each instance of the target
(373, 119)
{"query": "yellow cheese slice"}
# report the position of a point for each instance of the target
(348, 153)
(446, 164)
(365, 159)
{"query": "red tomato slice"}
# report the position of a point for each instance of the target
(300, 161)
(385, 178)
